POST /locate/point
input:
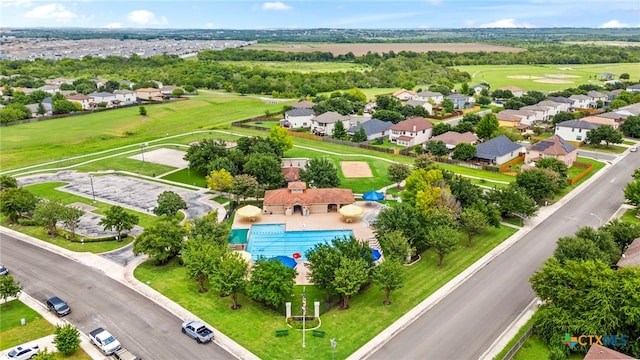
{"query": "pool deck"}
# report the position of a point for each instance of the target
(328, 221)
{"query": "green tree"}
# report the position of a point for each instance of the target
(464, 152)
(562, 116)
(604, 133)
(271, 282)
(16, 203)
(465, 192)
(513, 201)
(118, 220)
(623, 232)
(447, 105)
(443, 239)
(201, 154)
(425, 162)
(483, 100)
(71, 218)
(142, 111)
(388, 276)
(359, 136)
(281, 138)
(339, 132)
(208, 229)
(578, 249)
(230, 276)
(540, 184)
(161, 241)
(65, 106)
(388, 115)
(397, 172)
(396, 246)
(440, 128)
(323, 260)
(200, 258)
(553, 164)
(631, 126)
(44, 354)
(169, 203)
(437, 148)
(421, 181)
(350, 276)
(321, 172)
(486, 126)
(407, 220)
(67, 339)
(244, 186)
(632, 193)
(219, 180)
(47, 214)
(265, 168)
(8, 182)
(9, 288)
(473, 222)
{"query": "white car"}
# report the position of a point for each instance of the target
(633, 149)
(25, 351)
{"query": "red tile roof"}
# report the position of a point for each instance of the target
(291, 174)
(297, 185)
(455, 138)
(420, 124)
(599, 352)
(308, 197)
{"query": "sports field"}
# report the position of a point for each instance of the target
(301, 66)
(546, 78)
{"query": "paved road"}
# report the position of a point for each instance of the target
(142, 326)
(467, 321)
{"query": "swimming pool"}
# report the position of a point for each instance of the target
(271, 240)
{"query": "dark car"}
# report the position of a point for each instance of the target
(58, 306)
(3, 270)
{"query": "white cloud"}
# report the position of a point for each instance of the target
(113, 26)
(16, 3)
(614, 24)
(276, 5)
(51, 11)
(145, 17)
(210, 25)
(506, 23)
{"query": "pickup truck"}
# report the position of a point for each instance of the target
(124, 354)
(197, 330)
(106, 342)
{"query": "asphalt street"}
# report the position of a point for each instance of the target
(467, 321)
(96, 300)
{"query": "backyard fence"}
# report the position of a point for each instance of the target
(504, 168)
(587, 169)
(514, 349)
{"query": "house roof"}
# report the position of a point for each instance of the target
(560, 99)
(419, 123)
(49, 87)
(291, 173)
(535, 108)
(549, 103)
(633, 109)
(405, 138)
(455, 138)
(304, 104)
(297, 185)
(308, 197)
(329, 117)
(480, 86)
(300, 112)
(521, 112)
(507, 117)
(402, 91)
(100, 94)
(578, 124)
(579, 97)
(149, 90)
(457, 97)
(599, 120)
(371, 127)
(633, 87)
(613, 115)
(599, 352)
(78, 97)
(596, 94)
(413, 102)
(427, 93)
(498, 146)
(554, 145)
(631, 256)
(124, 91)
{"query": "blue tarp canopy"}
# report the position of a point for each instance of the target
(373, 196)
(286, 261)
(376, 254)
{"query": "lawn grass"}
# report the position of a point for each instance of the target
(264, 124)
(612, 149)
(12, 333)
(597, 166)
(259, 323)
(301, 66)
(386, 144)
(497, 75)
(187, 176)
(630, 216)
(515, 338)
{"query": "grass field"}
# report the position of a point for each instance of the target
(499, 75)
(301, 66)
(12, 333)
(259, 324)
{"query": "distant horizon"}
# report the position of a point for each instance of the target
(329, 14)
(4, 28)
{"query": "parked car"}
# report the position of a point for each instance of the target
(104, 341)
(25, 351)
(633, 149)
(58, 306)
(3, 270)
(124, 354)
(197, 330)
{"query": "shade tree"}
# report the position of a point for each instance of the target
(270, 282)
(443, 239)
(321, 172)
(350, 276)
(117, 219)
(388, 276)
(16, 203)
(169, 203)
(230, 276)
(161, 241)
(397, 172)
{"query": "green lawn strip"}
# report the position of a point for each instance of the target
(535, 348)
(597, 166)
(187, 176)
(301, 66)
(264, 124)
(12, 333)
(626, 142)
(515, 339)
(77, 355)
(630, 216)
(612, 149)
(386, 144)
(259, 323)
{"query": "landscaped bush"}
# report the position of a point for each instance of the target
(296, 322)
(27, 222)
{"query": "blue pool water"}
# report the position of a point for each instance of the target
(272, 240)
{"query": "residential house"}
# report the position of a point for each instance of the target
(48, 104)
(125, 97)
(370, 107)
(632, 109)
(574, 130)
(595, 119)
(507, 119)
(633, 88)
(128, 84)
(580, 101)
(323, 124)
(565, 103)
(303, 104)
(356, 119)
(615, 116)
(59, 81)
(452, 138)
(84, 100)
(403, 94)
(477, 89)
(298, 118)
(460, 101)
(542, 113)
(498, 150)
(516, 91)
(425, 104)
(554, 107)
(374, 128)
(34, 108)
(411, 132)
(527, 117)
(168, 90)
(597, 96)
(51, 89)
(631, 256)
(555, 147)
(148, 94)
(298, 199)
(102, 97)
(291, 168)
(430, 96)
(599, 352)
(614, 93)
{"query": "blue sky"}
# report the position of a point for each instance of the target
(300, 14)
